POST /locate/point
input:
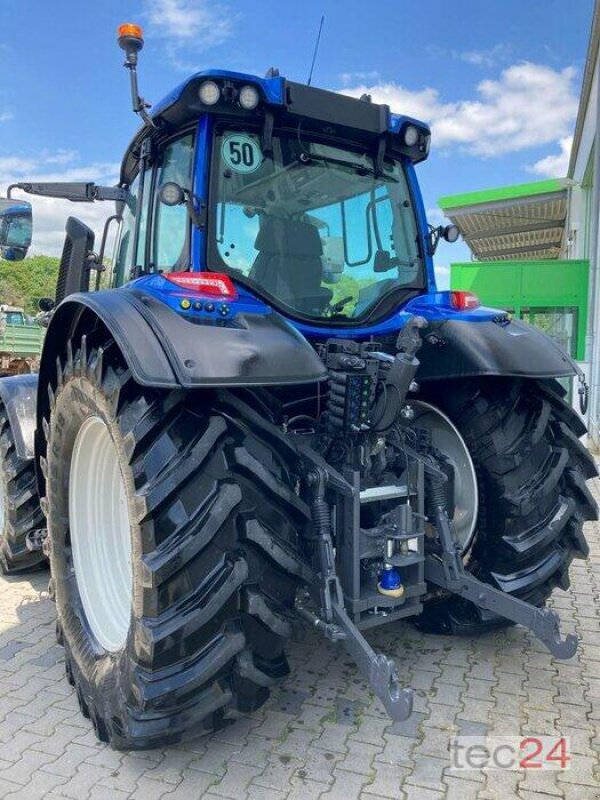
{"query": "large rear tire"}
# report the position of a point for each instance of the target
(20, 511)
(531, 467)
(215, 540)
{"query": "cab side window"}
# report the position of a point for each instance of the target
(125, 248)
(171, 244)
(131, 248)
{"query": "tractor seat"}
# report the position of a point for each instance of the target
(289, 265)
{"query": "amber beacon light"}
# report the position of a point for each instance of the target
(130, 34)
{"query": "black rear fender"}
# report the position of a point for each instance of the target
(460, 349)
(165, 350)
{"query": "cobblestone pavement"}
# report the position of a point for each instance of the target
(322, 735)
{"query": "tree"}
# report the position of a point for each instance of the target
(23, 283)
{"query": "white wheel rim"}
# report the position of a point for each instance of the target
(446, 438)
(100, 534)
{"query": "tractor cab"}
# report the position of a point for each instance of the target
(305, 199)
(15, 228)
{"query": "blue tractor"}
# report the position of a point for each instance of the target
(15, 229)
(274, 415)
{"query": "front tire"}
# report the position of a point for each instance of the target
(531, 467)
(215, 531)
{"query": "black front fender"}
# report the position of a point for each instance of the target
(460, 349)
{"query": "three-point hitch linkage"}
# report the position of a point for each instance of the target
(324, 606)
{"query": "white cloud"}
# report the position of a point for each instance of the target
(5, 116)
(348, 78)
(556, 165)
(528, 105)
(188, 27)
(50, 214)
(488, 57)
(442, 276)
(435, 216)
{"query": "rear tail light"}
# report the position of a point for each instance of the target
(213, 284)
(464, 301)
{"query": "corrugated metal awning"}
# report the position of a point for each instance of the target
(523, 222)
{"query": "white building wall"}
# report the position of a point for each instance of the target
(583, 234)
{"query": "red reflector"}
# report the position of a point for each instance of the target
(464, 300)
(211, 283)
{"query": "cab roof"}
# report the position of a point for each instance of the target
(339, 114)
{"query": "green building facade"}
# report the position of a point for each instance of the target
(517, 237)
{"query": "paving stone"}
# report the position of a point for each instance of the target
(346, 785)
(83, 781)
(477, 711)
(11, 649)
(18, 744)
(22, 770)
(361, 756)
(419, 793)
(457, 789)
(428, 772)
(442, 716)
(72, 757)
(347, 711)
(334, 737)
(98, 792)
(125, 778)
(448, 694)
(52, 656)
(482, 669)
(148, 789)
(502, 785)
(584, 772)
(410, 726)
(290, 701)
(388, 782)
(39, 786)
(302, 789)
(397, 750)
(541, 782)
(279, 771)
(237, 777)
(467, 727)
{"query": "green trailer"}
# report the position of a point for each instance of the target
(20, 342)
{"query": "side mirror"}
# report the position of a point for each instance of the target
(46, 304)
(383, 261)
(16, 225)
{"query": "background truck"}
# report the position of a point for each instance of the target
(20, 341)
(274, 416)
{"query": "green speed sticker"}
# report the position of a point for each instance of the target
(241, 153)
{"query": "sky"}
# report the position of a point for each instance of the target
(498, 80)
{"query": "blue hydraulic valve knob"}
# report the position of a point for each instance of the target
(389, 583)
